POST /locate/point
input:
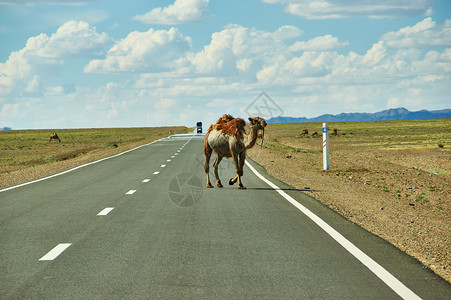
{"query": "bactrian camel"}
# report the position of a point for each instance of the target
(55, 137)
(228, 138)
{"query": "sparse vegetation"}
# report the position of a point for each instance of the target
(21, 150)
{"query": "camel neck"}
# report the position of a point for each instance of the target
(251, 138)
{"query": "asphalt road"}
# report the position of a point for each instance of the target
(142, 225)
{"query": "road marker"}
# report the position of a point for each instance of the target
(130, 192)
(168, 160)
(172, 156)
(163, 166)
(52, 254)
(155, 173)
(146, 180)
(105, 211)
(325, 147)
(390, 280)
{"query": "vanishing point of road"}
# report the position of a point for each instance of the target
(142, 225)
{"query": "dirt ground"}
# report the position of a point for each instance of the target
(401, 194)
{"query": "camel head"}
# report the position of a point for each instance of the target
(257, 121)
(261, 124)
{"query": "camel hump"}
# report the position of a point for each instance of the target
(225, 118)
(227, 124)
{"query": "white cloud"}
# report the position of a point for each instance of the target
(22, 73)
(333, 9)
(302, 77)
(237, 48)
(182, 11)
(424, 34)
(71, 39)
(318, 73)
(321, 43)
(394, 103)
(151, 51)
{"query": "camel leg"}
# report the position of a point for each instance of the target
(242, 158)
(239, 173)
(215, 165)
(208, 152)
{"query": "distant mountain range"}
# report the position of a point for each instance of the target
(390, 114)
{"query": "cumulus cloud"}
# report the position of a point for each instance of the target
(182, 11)
(71, 39)
(24, 69)
(238, 48)
(321, 43)
(239, 59)
(407, 67)
(151, 51)
(424, 34)
(333, 9)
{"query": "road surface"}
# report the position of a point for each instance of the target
(141, 225)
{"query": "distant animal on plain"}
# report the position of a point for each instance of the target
(304, 132)
(54, 136)
(335, 131)
(315, 133)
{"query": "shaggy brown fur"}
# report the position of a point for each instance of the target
(228, 138)
(228, 125)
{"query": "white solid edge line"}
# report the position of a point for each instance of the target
(105, 211)
(77, 167)
(390, 280)
(52, 254)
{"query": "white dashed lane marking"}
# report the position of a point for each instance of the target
(60, 248)
(105, 211)
(52, 254)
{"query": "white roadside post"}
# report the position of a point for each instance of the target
(325, 147)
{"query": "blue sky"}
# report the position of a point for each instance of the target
(103, 63)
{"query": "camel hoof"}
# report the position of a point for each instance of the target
(241, 187)
(209, 185)
(218, 184)
(232, 181)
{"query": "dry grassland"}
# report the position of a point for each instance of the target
(27, 154)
